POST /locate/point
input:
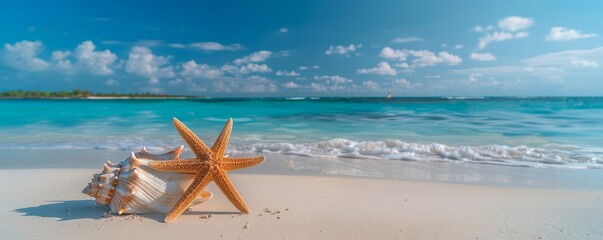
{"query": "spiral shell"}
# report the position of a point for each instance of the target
(133, 187)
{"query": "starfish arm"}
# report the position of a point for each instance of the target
(202, 152)
(181, 166)
(221, 143)
(196, 188)
(221, 179)
(238, 163)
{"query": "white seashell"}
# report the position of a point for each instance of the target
(133, 187)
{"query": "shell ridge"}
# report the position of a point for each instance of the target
(131, 186)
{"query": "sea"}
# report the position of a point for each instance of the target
(533, 132)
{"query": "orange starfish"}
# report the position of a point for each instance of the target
(210, 164)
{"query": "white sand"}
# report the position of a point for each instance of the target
(47, 204)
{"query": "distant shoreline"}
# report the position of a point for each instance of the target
(86, 94)
(102, 97)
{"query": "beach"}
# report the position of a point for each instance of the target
(358, 168)
(47, 203)
(308, 207)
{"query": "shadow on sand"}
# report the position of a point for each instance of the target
(86, 209)
(65, 210)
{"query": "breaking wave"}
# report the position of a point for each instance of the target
(524, 156)
(558, 156)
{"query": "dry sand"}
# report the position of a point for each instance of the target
(47, 204)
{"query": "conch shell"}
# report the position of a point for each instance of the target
(133, 187)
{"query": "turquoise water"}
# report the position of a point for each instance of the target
(534, 132)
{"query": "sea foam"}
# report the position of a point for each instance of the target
(557, 156)
(570, 157)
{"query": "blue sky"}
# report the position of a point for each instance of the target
(305, 48)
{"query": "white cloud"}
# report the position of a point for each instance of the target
(258, 84)
(59, 55)
(223, 86)
(571, 58)
(259, 68)
(215, 46)
(552, 66)
(306, 68)
(317, 87)
(507, 26)
(425, 58)
(333, 79)
(59, 59)
(251, 84)
(475, 77)
(148, 43)
(406, 40)
(290, 85)
(246, 69)
(188, 84)
(254, 57)
(176, 45)
(383, 68)
(284, 53)
(405, 83)
(271, 87)
(499, 36)
(390, 53)
(142, 62)
(458, 46)
(98, 62)
(283, 30)
(422, 58)
(287, 73)
(194, 70)
(175, 82)
(371, 85)
(585, 63)
(566, 34)
(401, 81)
(514, 23)
(111, 82)
(479, 28)
(402, 65)
(482, 57)
(433, 76)
(23, 56)
(342, 50)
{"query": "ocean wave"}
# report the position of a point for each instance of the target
(554, 156)
(523, 156)
(463, 98)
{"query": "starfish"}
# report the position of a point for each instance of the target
(210, 164)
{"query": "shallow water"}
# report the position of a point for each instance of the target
(533, 132)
